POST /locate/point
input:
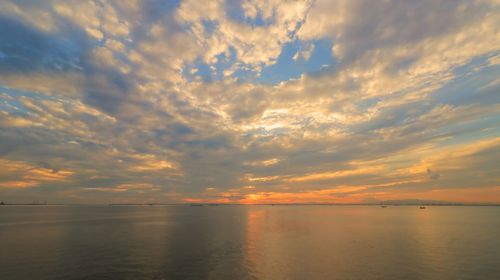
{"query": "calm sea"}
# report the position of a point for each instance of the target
(249, 242)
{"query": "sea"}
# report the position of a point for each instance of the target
(249, 242)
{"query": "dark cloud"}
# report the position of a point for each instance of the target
(46, 165)
(404, 22)
(26, 49)
(432, 175)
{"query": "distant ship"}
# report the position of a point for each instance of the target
(383, 206)
(422, 207)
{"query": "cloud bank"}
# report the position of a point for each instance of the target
(249, 101)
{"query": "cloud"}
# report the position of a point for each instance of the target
(356, 31)
(432, 175)
(18, 174)
(135, 101)
(29, 49)
(254, 44)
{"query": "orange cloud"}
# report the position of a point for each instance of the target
(336, 174)
(19, 174)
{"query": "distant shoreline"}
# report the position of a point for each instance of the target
(31, 204)
(256, 204)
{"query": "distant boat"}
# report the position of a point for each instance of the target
(422, 207)
(196, 204)
(383, 206)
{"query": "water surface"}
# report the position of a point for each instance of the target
(249, 242)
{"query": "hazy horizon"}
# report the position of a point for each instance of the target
(407, 202)
(248, 102)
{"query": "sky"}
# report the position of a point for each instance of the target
(249, 101)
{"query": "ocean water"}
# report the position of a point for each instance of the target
(249, 242)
